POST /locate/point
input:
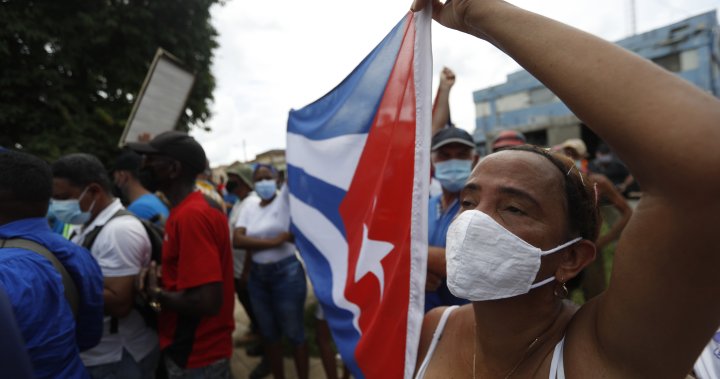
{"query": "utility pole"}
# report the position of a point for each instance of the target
(633, 18)
(244, 152)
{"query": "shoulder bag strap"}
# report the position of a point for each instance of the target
(71, 293)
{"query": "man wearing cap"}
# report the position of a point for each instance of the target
(195, 297)
(142, 203)
(82, 195)
(453, 157)
(508, 138)
(575, 149)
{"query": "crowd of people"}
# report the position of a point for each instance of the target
(132, 270)
(113, 301)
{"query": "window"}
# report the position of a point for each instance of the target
(689, 60)
(512, 102)
(482, 109)
(670, 62)
(541, 95)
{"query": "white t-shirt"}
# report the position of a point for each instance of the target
(267, 222)
(121, 248)
(238, 254)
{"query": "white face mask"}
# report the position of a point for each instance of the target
(485, 261)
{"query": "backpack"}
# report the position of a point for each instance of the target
(155, 234)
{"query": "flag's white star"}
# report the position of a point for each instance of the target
(371, 253)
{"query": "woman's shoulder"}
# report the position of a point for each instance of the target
(449, 327)
(431, 323)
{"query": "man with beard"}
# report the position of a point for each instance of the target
(141, 202)
(195, 299)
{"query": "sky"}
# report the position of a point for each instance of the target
(274, 56)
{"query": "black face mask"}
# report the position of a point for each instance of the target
(231, 186)
(117, 192)
(148, 179)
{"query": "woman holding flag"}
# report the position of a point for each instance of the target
(530, 222)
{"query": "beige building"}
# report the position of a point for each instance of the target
(275, 157)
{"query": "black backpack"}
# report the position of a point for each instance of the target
(155, 233)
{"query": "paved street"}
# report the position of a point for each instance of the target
(242, 364)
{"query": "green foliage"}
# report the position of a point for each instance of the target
(70, 69)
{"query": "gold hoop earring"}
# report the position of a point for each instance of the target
(563, 292)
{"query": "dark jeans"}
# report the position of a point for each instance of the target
(277, 292)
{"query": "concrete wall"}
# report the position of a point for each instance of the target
(689, 48)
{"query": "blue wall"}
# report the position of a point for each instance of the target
(696, 33)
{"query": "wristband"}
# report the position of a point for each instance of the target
(155, 299)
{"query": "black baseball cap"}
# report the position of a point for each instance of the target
(127, 160)
(452, 135)
(176, 145)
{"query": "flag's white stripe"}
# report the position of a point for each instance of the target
(332, 160)
(331, 244)
(419, 229)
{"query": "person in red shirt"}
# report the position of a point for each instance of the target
(193, 290)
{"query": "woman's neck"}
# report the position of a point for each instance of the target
(509, 333)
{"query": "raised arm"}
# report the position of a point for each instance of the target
(441, 107)
(660, 305)
(607, 190)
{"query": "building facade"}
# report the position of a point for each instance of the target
(689, 48)
(275, 157)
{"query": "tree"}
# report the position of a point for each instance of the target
(70, 70)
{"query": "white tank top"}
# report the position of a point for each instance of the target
(557, 371)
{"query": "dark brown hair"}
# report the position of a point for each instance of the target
(580, 193)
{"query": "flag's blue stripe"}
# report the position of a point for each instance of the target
(318, 194)
(344, 334)
(351, 106)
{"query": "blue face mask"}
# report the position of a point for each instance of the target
(266, 188)
(453, 174)
(69, 212)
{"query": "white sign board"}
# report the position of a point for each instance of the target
(161, 100)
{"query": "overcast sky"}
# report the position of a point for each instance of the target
(280, 55)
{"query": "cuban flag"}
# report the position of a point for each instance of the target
(358, 171)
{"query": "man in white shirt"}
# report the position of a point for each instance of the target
(82, 195)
